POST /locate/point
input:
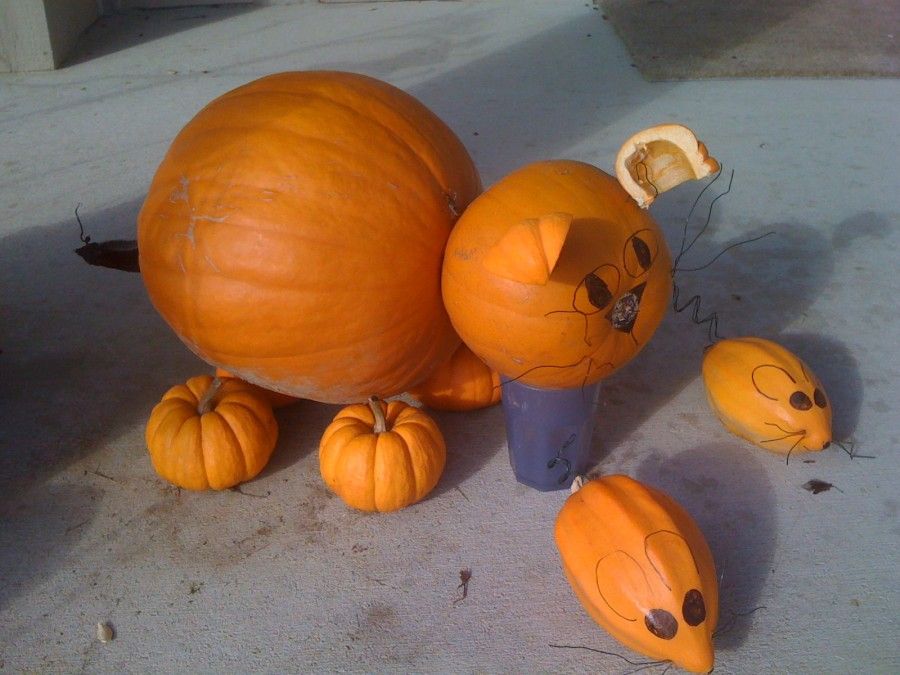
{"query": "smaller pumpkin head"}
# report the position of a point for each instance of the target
(463, 382)
(765, 394)
(381, 456)
(555, 277)
(211, 433)
(642, 569)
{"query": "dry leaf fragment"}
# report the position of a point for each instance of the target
(816, 486)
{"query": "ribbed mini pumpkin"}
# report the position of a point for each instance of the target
(211, 433)
(641, 567)
(463, 382)
(293, 235)
(382, 456)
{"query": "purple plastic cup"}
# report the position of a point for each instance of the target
(549, 432)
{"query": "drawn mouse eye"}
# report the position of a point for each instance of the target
(800, 401)
(693, 608)
(641, 250)
(661, 623)
(596, 290)
(819, 398)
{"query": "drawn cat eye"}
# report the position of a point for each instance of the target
(819, 398)
(661, 623)
(596, 290)
(693, 608)
(800, 401)
(640, 252)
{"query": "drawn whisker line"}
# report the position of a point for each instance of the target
(602, 651)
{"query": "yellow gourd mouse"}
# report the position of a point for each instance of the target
(765, 394)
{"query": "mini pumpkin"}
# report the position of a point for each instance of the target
(642, 569)
(293, 235)
(767, 395)
(211, 433)
(463, 382)
(275, 398)
(381, 456)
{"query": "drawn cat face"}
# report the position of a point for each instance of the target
(555, 277)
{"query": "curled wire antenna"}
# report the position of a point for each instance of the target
(711, 319)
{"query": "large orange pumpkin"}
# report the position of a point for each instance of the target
(294, 232)
(555, 276)
(641, 567)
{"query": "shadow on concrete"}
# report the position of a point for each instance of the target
(727, 492)
(838, 369)
(532, 100)
(472, 439)
(757, 289)
(39, 533)
(85, 355)
(129, 28)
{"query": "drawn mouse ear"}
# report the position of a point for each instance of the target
(772, 381)
(669, 550)
(529, 250)
(622, 584)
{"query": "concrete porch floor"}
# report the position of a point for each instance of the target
(283, 577)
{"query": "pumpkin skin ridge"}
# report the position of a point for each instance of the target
(178, 418)
(385, 93)
(226, 420)
(285, 230)
(413, 432)
(437, 183)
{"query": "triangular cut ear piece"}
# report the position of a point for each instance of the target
(530, 249)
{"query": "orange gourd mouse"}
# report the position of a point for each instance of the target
(642, 569)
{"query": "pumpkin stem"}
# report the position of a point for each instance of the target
(380, 422)
(206, 403)
(577, 484)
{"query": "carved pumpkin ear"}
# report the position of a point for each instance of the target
(529, 250)
(622, 584)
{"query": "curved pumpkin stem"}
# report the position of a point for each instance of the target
(577, 484)
(205, 404)
(380, 422)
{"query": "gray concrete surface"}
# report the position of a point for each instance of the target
(284, 578)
